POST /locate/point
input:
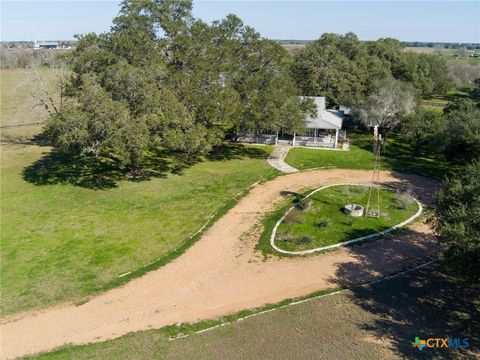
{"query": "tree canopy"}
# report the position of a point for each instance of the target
(389, 100)
(458, 220)
(161, 77)
(345, 70)
(462, 133)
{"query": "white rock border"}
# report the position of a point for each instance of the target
(348, 242)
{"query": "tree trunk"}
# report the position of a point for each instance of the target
(135, 168)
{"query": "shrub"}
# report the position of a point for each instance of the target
(285, 237)
(323, 222)
(303, 240)
(356, 189)
(403, 200)
(304, 204)
(295, 217)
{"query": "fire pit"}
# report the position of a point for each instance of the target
(353, 210)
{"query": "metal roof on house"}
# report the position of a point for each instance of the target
(325, 119)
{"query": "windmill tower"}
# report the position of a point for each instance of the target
(373, 204)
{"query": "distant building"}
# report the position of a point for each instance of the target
(45, 45)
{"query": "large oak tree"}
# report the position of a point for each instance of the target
(161, 77)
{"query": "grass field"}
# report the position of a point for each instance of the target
(324, 223)
(438, 102)
(447, 53)
(364, 323)
(398, 157)
(17, 105)
(71, 227)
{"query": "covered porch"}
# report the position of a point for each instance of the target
(325, 130)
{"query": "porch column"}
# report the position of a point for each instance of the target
(336, 138)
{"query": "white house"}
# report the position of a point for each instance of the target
(321, 131)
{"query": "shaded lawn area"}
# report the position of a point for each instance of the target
(397, 157)
(71, 226)
(438, 102)
(375, 322)
(324, 223)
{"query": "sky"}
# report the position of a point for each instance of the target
(436, 21)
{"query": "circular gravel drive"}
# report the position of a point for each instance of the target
(222, 273)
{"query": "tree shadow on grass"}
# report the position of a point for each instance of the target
(400, 156)
(231, 151)
(65, 168)
(100, 172)
(20, 139)
(425, 303)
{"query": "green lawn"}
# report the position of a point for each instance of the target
(71, 227)
(358, 157)
(398, 157)
(323, 222)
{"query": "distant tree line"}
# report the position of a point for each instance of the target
(446, 45)
(429, 44)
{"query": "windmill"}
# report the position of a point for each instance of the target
(373, 204)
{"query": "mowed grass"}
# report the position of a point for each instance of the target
(398, 156)
(65, 242)
(358, 157)
(323, 221)
(17, 105)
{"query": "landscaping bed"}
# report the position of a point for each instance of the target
(320, 220)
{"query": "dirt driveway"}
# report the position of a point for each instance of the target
(222, 273)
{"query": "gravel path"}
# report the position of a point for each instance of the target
(222, 273)
(277, 158)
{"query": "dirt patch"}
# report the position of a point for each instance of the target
(216, 276)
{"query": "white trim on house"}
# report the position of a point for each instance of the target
(324, 119)
(322, 130)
